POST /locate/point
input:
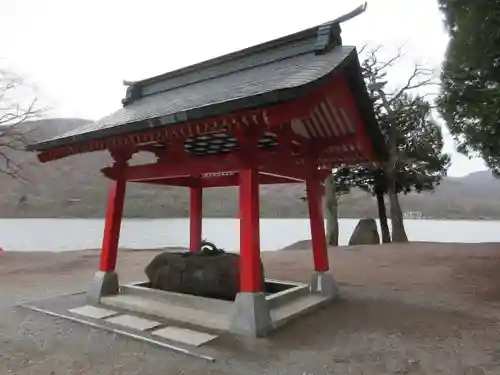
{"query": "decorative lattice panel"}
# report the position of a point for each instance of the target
(222, 143)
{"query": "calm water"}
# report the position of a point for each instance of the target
(75, 234)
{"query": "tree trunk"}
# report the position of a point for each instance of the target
(382, 215)
(331, 212)
(398, 228)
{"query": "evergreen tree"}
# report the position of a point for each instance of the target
(470, 97)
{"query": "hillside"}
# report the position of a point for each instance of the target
(74, 187)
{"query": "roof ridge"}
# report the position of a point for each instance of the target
(249, 65)
(214, 67)
(326, 36)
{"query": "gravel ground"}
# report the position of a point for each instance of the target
(407, 309)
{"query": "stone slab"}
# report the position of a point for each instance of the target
(158, 308)
(184, 335)
(133, 322)
(94, 312)
(296, 308)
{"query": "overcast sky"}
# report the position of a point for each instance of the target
(78, 53)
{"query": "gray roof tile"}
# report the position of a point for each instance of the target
(266, 74)
(292, 72)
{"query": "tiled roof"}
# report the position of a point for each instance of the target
(266, 74)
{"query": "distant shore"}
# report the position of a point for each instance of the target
(62, 217)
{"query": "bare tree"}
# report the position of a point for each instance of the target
(391, 115)
(18, 103)
(375, 72)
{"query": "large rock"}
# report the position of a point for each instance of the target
(365, 233)
(201, 274)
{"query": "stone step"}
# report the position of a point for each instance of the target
(208, 319)
(279, 299)
(297, 307)
(164, 309)
(179, 299)
(143, 326)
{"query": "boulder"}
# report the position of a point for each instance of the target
(365, 233)
(206, 274)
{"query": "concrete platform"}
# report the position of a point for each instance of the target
(210, 313)
(184, 335)
(184, 339)
(134, 322)
(94, 312)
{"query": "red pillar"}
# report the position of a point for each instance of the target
(111, 237)
(195, 217)
(318, 234)
(250, 270)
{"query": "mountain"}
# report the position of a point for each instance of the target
(74, 187)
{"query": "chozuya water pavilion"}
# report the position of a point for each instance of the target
(285, 111)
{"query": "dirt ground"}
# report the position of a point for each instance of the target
(420, 308)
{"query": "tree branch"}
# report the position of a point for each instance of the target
(18, 104)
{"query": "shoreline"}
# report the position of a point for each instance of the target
(297, 245)
(140, 218)
(61, 235)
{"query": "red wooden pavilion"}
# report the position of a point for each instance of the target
(285, 111)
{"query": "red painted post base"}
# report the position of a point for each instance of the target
(250, 266)
(195, 218)
(113, 221)
(105, 280)
(320, 252)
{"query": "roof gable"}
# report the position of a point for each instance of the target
(269, 73)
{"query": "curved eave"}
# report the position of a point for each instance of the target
(349, 66)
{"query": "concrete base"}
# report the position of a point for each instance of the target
(251, 315)
(103, 284)
(323, 283)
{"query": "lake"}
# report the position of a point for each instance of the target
(76, 234)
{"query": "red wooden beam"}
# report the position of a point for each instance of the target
(195, 217)
(314, 201)
(291, 142)
(250, 265)
(347, 102)
(220, 181)
(188, 167)
(187, 181)
(224, 181)
(294, 173)
(282, 167)
(299, 108)
(224, 123)
(269, 118)
(114, 212)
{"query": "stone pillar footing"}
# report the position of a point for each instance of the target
(251, 315)
(103, 284)
(323, 283)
